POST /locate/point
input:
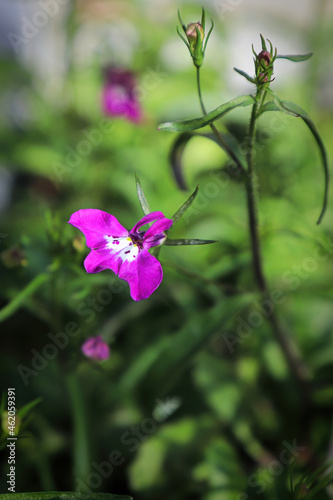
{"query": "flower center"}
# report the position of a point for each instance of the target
(137, 238)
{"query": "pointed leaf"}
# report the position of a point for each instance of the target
(181, 21)
(175, 158)
(248, 77)
(178, 148)
(203, 19)
(184, 40)
(263, 42)
(296, 58)
(184, 206)
(293, 109)
(142, 198)
(180, 241)
(208, 36)
(23, 412)
(202, 121)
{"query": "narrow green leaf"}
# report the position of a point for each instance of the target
(23, 412)
(314, 476)
(263, 42)
(181, 21)
(296, 58)
(203, 19)
(184, 40)
(179, 145)
(185, 206)
(208, 36)
(175, 158)
(269, 106)
(293, 109)
(62, 495)
(142, 198)
(180, 241)
(242, 73)
(7, 311)
(202, 121)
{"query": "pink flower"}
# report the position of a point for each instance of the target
(119, 97)
(95, 348)
(124, 252)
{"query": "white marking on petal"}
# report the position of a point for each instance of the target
(123, 247)
(129, 254)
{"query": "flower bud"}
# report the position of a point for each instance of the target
(195, 35)
(95, 348)
(14, 257)
(78, 243)
(192, 31)
(264, 58)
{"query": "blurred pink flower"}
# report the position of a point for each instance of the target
(119, 98)
(95, 348)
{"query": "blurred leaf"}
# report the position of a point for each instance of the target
(179, 349)
(242, 73)
(187, 241)
(263, 42)
(142, 198)
(293, 109)
(296, 58)
(193, 124)
(175, 157)
(311, 484)
(7, 311)
(23, 412)
(178, 148)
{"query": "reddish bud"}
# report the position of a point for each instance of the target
(265, 58)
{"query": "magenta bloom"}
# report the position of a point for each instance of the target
(124, 252)
(119, 97)
(95, 348)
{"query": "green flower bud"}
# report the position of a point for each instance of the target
(194, 41)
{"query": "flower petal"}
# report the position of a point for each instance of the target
(111, 256)
(117, 102)
(154, 236)
(95, 348)
(146, 219)
(95, 224)
(143, 275)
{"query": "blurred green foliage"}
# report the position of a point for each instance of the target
(175, 412)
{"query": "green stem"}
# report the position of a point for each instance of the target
(81, 467)
(295, 363)
(218, 136)
(17, 301)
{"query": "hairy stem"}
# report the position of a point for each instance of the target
(218, 136)
(295, 363)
